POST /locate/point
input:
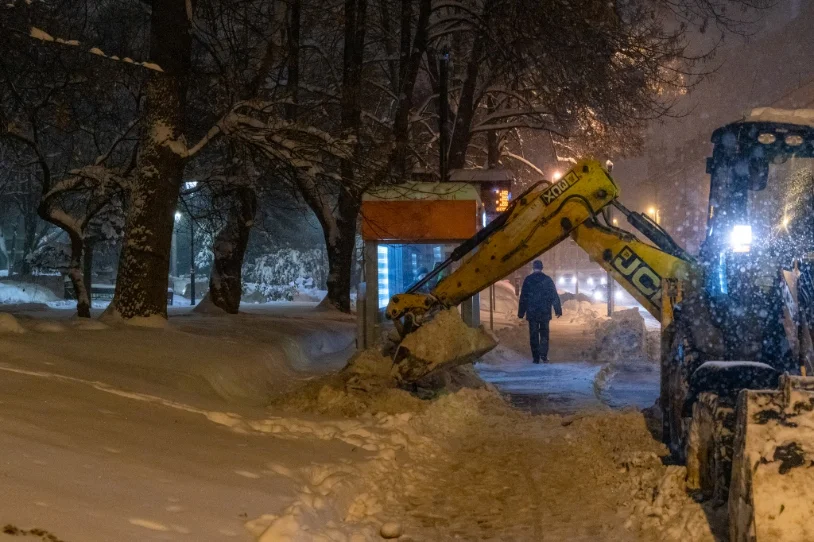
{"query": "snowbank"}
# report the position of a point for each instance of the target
(506, 301)
(804, 117)
(9, 324)
(24, 292)
(624, 337)
(247, 359)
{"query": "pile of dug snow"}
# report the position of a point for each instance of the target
(623, 337)
(446, 341)
(370, 382)
(581, 312)
(661, 505)
(515, 338)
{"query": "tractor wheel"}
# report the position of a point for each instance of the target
(678, 363)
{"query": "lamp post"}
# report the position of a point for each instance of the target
(178, 217)
(174, 247)
(191, 261)
(189, 186)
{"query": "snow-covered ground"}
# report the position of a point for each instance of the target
(164, 434)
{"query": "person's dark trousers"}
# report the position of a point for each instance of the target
(538, 332)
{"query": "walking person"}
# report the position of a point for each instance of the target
(537, 298)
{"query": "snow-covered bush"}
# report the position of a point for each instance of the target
(286, 266)
(282, 274)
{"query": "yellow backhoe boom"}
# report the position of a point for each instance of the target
(539, 220)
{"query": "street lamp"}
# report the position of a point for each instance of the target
(557, 175)
(653, 212)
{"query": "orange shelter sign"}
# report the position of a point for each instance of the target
(414, 221)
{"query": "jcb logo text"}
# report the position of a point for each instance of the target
(646, 281)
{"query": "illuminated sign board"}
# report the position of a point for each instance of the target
(502, 200)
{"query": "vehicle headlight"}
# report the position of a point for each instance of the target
(767, 138)
(794, 140)
(741, 238)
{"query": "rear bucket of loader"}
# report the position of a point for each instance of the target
(772, 488)
(444, 342)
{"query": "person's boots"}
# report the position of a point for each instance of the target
(536, 360)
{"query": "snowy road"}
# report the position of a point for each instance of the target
(570, 383)
(569, 387)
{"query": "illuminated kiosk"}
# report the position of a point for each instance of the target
(410, 229)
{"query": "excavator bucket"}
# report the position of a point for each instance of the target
(444, 341)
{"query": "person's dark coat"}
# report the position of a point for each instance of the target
(538, 297)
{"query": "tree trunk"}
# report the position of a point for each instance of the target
(293, 58)
(87, 266)
(75, 274)
(340, 241)
(340, 238)
(141, 286)
(225, 282)
(462, 133)
(29, 242)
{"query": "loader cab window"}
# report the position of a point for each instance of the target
(781, 211)
(761, 186)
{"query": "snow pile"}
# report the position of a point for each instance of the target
(515, 338)
(667, 509)
(804, 117)
(623, 337)
(9, 324)
(506, 301)
(445, 341)
(23, 292)
(582, 312)
(369, 382)
(208, 307)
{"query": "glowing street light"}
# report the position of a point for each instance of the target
(653, 212)
(557, 175)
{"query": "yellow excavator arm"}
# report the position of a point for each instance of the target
(540, 219)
